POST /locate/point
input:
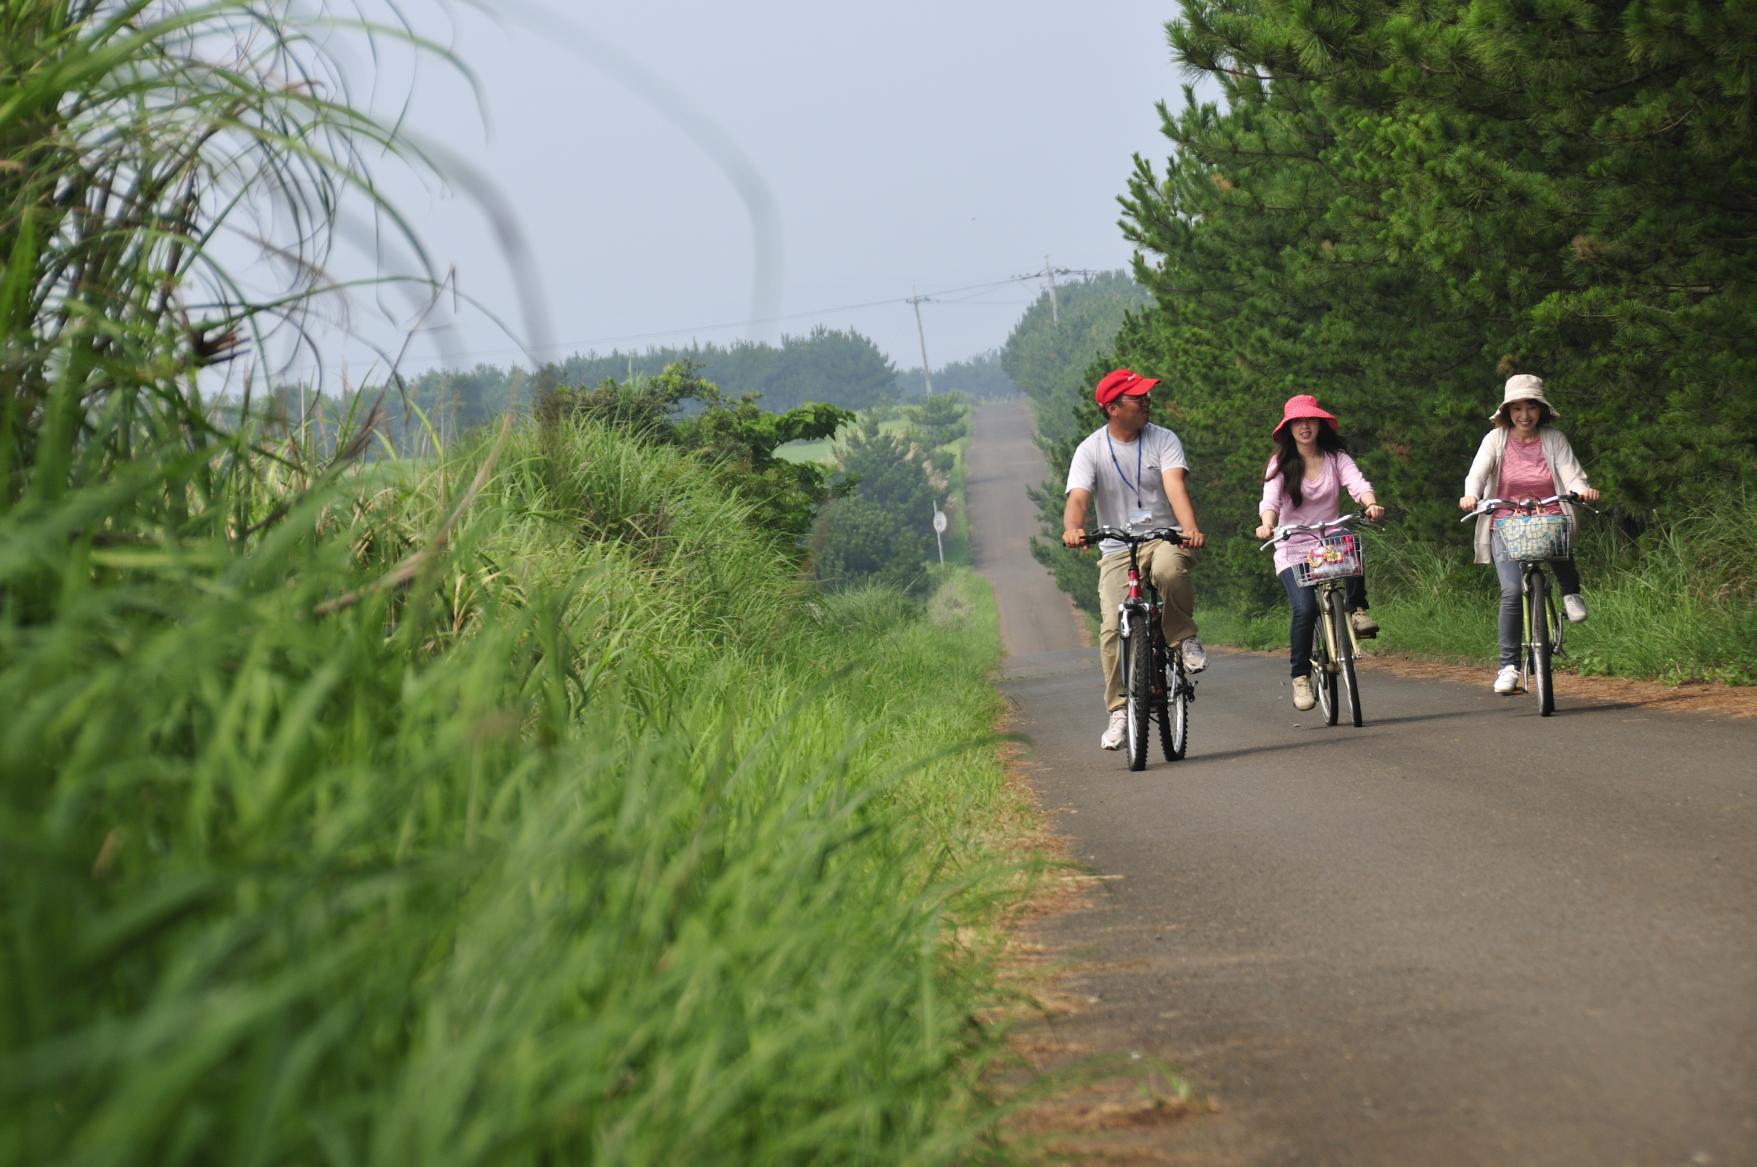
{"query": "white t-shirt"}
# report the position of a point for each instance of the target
(1128, 477)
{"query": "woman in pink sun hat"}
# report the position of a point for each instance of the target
(1303, 483)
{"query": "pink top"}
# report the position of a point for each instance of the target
(1318, 500)
(1525, 474)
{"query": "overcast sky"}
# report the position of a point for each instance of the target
(680, 169)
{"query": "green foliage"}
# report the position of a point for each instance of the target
(602, 840)
(833, 366)
(1395, 207)
(735, 437)
(980, 378)
(1053, 361)
(939, 420)
(880, 529)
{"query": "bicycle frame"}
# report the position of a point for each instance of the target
(1335, 651)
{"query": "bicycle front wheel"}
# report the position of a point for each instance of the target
(1174, 708)
(1344, 657)
(1324, 668)
(1540, 617)
(1138, 672)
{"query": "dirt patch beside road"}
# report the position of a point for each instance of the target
(1693, 697)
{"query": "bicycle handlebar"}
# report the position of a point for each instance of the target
(1168, 534)
(1528, 505)
(1286, 530)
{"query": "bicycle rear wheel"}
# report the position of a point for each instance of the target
(1138, 674)
(1344, 657)
(1174, 708)
(1540, 618)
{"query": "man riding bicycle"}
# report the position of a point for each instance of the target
(1135, 469)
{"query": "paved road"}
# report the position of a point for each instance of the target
(1462, 934)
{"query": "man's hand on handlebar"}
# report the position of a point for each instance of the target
(1074, 537)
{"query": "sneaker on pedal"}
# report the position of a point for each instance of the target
(1507, 680)
(1195, 656)
(1575, 606)
(1365, 626)
(1113, 733)
(1303, 697)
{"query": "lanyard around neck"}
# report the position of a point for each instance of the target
(1140, 443)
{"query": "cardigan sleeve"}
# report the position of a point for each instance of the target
(1564, 466)
(1482, 467)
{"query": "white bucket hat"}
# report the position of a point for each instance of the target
(1523, 387)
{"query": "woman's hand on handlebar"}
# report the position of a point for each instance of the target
(1374, 512)
(1467, 503)
(1265, 531)
(1586, 494)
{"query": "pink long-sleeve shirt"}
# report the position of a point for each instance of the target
(1318, 500)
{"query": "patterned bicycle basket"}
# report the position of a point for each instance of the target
(1528, 537)
(1334, 557)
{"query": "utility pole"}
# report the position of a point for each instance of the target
(1055, 315)
(926, 377)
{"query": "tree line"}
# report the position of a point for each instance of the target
(1396, 207)
(827, 366)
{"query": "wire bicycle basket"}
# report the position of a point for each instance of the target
(1534, 537)
(1335, 556)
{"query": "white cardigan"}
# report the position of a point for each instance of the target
(1485, 472)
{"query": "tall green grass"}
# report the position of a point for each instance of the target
(595, 837)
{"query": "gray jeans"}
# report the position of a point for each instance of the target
(1512, 623)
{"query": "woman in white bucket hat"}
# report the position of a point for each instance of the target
(1524, 456)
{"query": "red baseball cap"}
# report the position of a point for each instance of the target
(1123, 383)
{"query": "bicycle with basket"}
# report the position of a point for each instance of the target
(1534, 540)
(1330, 555)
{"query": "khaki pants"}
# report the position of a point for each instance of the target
(1169, 569)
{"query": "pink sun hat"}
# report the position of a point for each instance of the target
(1304, 405)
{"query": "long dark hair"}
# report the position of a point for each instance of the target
(1287, 462)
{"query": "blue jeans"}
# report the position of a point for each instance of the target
(1305, 616)
(1512, 625)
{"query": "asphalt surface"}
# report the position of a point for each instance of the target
(1462, 934)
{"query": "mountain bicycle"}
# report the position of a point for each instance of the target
(1333, 556)
(1155, 685)
(1534, 540)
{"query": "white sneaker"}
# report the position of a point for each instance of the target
(1195, 656)
(1575, 607)
(1303, 697)
(1113, 734)
(1507, 680)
